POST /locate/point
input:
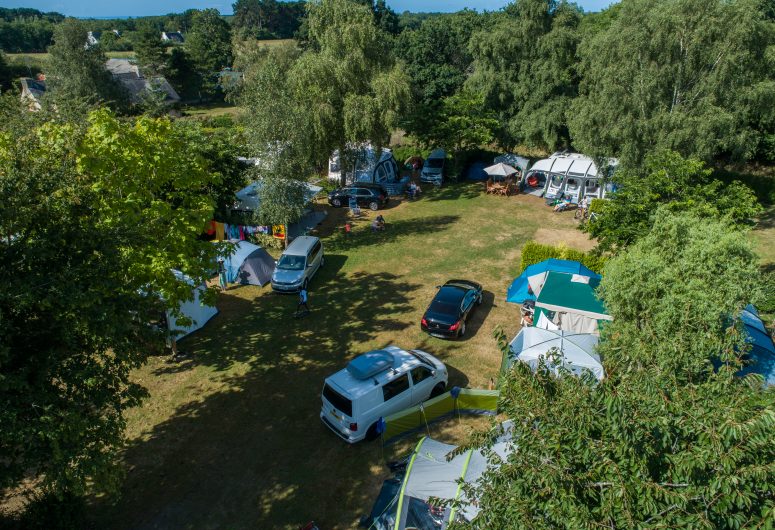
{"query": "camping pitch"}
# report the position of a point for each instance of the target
(430, 475)
(528, 285)
(575, 351)
(249, 264)
(194, 310)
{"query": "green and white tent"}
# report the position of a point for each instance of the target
(569, 302)
(430, 474)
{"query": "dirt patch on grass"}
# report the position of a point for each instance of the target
(568, 236)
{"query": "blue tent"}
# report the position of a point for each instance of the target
(762, 353)
(476, 171)
(518, 291)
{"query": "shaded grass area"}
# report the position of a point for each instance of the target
(230, 437)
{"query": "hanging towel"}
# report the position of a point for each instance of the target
(210, 228)
(241, 233)
(219, 231)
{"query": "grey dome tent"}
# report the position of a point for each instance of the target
(249, 264)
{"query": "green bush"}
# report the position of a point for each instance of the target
(767, 303)
(267, 241)
(533, 253)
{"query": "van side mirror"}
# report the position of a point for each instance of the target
(433, 373)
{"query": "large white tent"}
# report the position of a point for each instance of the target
(576, 350)
(194, 309)
(430, 475)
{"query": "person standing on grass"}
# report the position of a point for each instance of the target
(303, 299)
(222, 273)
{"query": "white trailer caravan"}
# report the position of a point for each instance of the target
(569, 174)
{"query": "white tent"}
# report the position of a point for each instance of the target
(576, 350)
(429, 474)
(194, 309)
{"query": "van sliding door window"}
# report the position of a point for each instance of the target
(395, 387)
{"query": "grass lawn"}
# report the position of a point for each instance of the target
(210, 111)
(231, 438)
(764, 235)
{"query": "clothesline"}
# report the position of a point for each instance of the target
(226, 231)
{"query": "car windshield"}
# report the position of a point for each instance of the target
(421, 358)
(291, 263)
(434, 163)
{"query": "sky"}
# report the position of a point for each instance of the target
(138, 8)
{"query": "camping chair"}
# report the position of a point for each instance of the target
(503, 189)
(488, 186)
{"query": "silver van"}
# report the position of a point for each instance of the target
(433, 168)
(298, 264)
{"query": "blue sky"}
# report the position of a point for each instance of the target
(113, 8)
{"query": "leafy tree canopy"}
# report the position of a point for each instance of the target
(693, 76)
(95, 216)
(208, 45)
(77, 73)
(149, 50)
(667, 179)
(525, 67)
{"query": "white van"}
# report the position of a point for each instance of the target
(433, 168)
(298, 264)
(377, 384)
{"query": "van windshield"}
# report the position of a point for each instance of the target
(291, 263)
(340, 403)
(434, 163)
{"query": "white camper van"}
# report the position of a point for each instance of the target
(377, 384)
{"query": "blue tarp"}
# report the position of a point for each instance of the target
(518, 291)
(476, 171)
(762, 353)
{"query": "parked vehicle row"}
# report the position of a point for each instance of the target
(366, 195)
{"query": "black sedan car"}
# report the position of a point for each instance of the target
(365, 194)
(446, 316)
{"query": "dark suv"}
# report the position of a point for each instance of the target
(368, 195)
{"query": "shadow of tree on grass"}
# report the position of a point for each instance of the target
(250, 455)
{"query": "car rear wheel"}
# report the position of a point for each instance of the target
(374, 205)
(438, 390)
(336, 202)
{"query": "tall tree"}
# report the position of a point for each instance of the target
(351, 87)
(525, 67)
(693, 76)
(669, 439)
(254, 18)
(665, 179)
(149, 49)
(77, 73)
(208, 44)
(438, 62)
(95, 215)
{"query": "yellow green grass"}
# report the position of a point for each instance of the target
(230, 437)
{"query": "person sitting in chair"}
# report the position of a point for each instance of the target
(563, 205)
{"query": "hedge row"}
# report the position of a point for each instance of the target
(533, 253)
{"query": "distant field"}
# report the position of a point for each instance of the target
(43, 57)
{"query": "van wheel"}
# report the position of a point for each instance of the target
(438, 390)
(336, 203)
(374, 205)
(372, 433)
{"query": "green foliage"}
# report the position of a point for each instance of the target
(95, 215)
(26, 30)
(208, 45)
(150, 53)
(767, 303)
(676, 183)
(182, 74)
(693, 76)
(267, 19)
(533, 252)
(525, 67)
(344, 89)
(77, 74)
(665, 441)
